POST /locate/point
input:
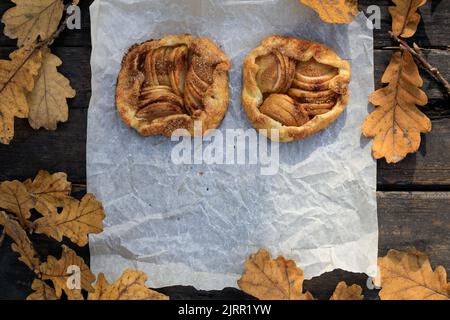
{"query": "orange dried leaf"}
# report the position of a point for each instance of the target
(345, 292)
(48, 191)
(76, 221)
(396, 123)
(334, 11)
(42, 291)
(61, 272)
(14, 198)
(409, 276)
(268, 279)
(48, 100)
(16, 81)
(29, 20)
(405, 18)
(130, 286)
(22, 244)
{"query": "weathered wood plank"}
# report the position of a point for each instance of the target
(76, 67)
(433, 31)
(418, 219)
(438, 58)
(60, 150)
(65, 150)
(429, 168)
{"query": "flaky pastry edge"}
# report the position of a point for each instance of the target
(301, 50)
(215, 100)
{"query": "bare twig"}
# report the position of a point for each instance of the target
(49, 41)
(2, 237)
(418, 55)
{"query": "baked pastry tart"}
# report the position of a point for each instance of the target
(169, 84)
(294, 87)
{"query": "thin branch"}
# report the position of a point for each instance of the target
(2, 237)
(49, 41)
(418, 55)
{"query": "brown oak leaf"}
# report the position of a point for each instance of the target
(345, 292)
(409, 276)
(48, 100)
(76, 221)
(61, 272)
(42, 291)
(48, 191)
(16, 81)
(22, 244)
(268, 279)
(405, 18)
(14, 198)
(29, 20)
(334, 11)
(396, 123)
(130, 286)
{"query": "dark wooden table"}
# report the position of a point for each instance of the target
(413, 196)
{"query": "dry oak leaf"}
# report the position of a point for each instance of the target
(29, 20)
(345, 292)
(48, 191)
(130, 286)
(405, 18)
(396, 123)
(14, 198)
(48, 100)
(22, 244)
(409, 276)
(42, 291)
(16, 81)
(334, 11)
(76, 221)
(268, 279)
(58, 272)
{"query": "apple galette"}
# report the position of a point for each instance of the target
(294, 88)
(169, 84)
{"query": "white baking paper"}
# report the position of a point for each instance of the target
(195, 224)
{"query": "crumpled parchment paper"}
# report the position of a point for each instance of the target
(195, 224)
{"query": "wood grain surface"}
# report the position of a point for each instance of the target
(413, 195)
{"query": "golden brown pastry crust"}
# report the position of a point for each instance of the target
(133, 82)
(323, 101)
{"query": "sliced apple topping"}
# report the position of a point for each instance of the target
(285, 110)
(276, 73)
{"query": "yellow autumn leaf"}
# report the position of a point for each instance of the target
(409, 276)
(22, 244)
(268, 279)
(130, 286)
(15, 199)
(64, 271)
(48, 191)
(405, 18)
(16, 81)
(334, 11)
(396, 123)
(30, 20)
(345, 292)
(47, 101)
(42, 291)
(76, 221)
